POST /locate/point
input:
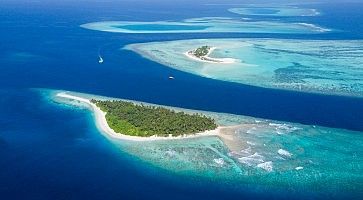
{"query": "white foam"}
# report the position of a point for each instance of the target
(283, 128)
(252, 160)
(247, 150)
(233, 153)
(276, 125)
(251, 130)
(250, 143)
(279, 132)
(170, 153)
(266, 166)
(219, 161)
(284, 153)
(314, 27)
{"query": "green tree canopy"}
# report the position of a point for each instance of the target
(141, 120)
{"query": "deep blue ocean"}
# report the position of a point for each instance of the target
(51, 151)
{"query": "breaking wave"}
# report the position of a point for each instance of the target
(251, 160)
(266, 166)
(284, 153)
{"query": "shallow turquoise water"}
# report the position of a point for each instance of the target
(318, 66)
(262, 153)
(205, 24)
(160, 27)
(287, 11)
(317, 158)
(263, 10)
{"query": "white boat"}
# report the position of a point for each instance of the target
(100, 60)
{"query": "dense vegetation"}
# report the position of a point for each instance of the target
(201, 51)
(140, 120)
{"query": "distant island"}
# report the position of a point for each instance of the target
(144, 121)
(202, 54)
(201, 51)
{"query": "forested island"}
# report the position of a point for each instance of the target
(201, 51)
(141, 120)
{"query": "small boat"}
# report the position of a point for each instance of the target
(100, 60)
(171, 77)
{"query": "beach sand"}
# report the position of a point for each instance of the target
(208, 59)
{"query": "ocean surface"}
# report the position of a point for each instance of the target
(50, 150)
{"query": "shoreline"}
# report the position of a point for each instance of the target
(102, 125)
(208, 59)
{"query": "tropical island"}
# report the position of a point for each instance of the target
(202, 54)
(201, 51)
(144, 121)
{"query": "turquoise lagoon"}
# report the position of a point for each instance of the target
(329, 67)
(206, 24)
(256, 152)
(159, 27)
(287, 11)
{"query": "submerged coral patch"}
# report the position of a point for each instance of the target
(206, 24)
(317, 66)
(278, 11)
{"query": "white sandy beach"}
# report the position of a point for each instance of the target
(100, 119)
(208, 59)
